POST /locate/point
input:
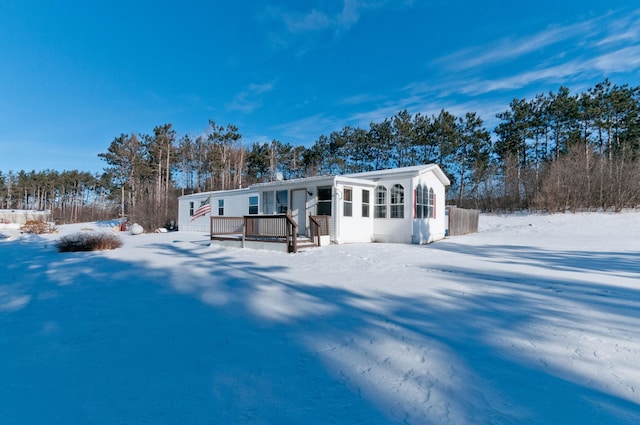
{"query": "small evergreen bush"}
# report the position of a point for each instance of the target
(88, 242)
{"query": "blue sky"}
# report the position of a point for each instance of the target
(76, 74)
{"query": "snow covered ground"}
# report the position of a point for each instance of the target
(533, 320)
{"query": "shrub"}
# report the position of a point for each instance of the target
(88, 242)
(37, 227)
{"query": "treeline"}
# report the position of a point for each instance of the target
(555, 152)
(560, 151)
(71, 196)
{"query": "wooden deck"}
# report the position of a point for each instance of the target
(256, 230)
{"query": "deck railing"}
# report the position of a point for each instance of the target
(266, 228)
(226, 226)
(318, 226)
(271, 228)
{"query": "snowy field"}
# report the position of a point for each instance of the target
(533, 320)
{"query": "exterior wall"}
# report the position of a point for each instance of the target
(184, 218)
(236, 203)
(309, 186)
(310, 194)
(395, 230)
(427, 230)
(355, 228)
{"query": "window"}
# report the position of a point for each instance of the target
(381, 202)
(324, 201)
(220, 206)
(253, 205)
(191, 208)
(268, 202)
(347, 208)
(431, 204)
(421, 202)
(397, 201)
(365, 203)
(424, 202)
(282, 201)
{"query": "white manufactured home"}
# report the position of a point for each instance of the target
(402, 205)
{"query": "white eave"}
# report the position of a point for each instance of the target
(413, 171)
(217, 193)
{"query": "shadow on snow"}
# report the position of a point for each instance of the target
(215, 337)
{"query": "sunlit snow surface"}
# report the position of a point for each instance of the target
(533, 320)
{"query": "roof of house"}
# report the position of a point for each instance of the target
(369, 175)
(413, 171)
(326, 177)
(200, 195)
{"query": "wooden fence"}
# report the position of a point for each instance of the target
(462, 221)
(22, 216)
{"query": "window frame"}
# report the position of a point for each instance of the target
(347, 202)
(324, 204)
(431, 203)
(282, 205)
(419, 201)
(268, 202)
(254, 204)
(365, 202)
(380, 206)
(422, 210)
(220, 206)
(396, 201)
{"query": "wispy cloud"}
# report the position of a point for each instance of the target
(599, 47)
(312, 21)
(624, 29)
(307, 130)
(623, 60)
(303, 29)
(486, 77)
(337, 21)
(248, 100)
(390, 108)
(510, 49)
(360, 99)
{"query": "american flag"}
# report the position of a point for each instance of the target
(204, 209)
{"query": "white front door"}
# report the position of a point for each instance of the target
(299, 209)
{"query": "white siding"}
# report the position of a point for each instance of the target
(427, 230)
(236, 204)
(355, 228)
(395, 230)
(184, 218)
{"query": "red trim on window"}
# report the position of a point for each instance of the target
(415, 203)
